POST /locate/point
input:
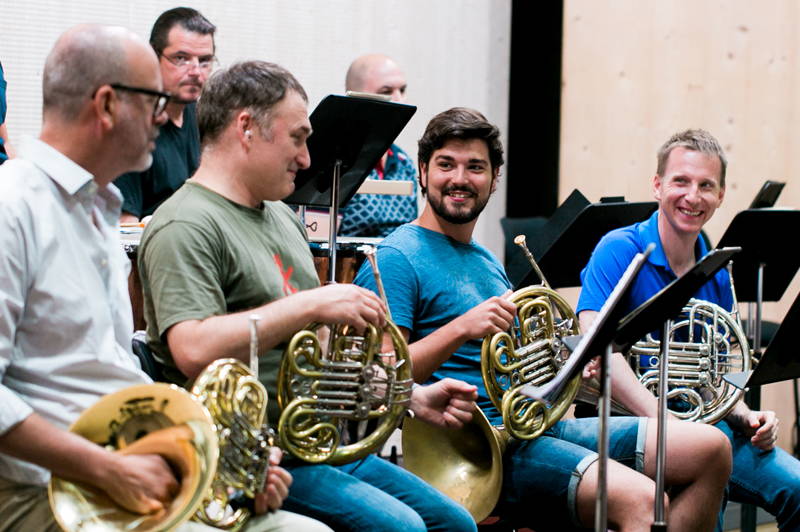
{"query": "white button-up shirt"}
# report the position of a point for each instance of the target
(65, 316)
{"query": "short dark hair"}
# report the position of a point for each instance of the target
(253, 85)
(188, 18)
(694, 140)
(464, 124)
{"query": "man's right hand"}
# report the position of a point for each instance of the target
(141, 483)
(347, 304)
(492, 316)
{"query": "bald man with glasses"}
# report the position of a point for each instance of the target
(183, 40)
(65, 321)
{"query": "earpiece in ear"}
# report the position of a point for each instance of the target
(248, 134)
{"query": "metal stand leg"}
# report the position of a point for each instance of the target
(601, 502)
(660, 517)
(334, 219)
(753, 396)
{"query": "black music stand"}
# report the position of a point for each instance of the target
(670, 300)
(764, 251)
(767, 195)
(660, 308)
(597, 340)
(567, 240)
(761, 273)
(780, 361)
(351, 134)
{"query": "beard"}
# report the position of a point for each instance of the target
(457, 214)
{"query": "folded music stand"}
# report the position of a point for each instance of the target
(567, 240)
(351, 134)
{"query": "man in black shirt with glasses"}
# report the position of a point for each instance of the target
(183, 40)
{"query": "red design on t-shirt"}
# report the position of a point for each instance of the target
(288, 287)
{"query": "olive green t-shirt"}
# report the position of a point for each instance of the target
(203, 255)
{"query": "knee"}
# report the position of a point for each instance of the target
(454, 518)
(715, 448)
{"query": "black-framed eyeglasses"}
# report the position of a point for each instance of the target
(162, 98)
(182, 60)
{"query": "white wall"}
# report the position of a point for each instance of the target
(454, 52)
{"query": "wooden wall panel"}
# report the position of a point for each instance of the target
(634, 72)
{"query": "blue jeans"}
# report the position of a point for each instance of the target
(541, 476)
(768, 479)
(372, 494)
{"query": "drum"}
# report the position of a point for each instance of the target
(350, 254)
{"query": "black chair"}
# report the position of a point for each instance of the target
(145, 356)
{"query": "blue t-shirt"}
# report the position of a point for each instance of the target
(616, 250)
(431, 279)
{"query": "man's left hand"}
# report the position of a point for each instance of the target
(760, 426)
(447, 403)
(276, 488)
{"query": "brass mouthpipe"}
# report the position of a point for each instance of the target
(371, 254)
(520, 241)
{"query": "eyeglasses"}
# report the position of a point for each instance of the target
(188, 61)
(162, 98)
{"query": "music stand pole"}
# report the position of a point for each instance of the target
(334, 218)
(601, 503)
(660, 521)
(753, 395)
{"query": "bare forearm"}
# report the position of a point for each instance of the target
(430, 352)
(628, 391)
(195, 344)
(625, 386)
(65, 454)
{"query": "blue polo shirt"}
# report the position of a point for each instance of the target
(615, 251)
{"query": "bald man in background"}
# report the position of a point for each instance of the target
(377, 215)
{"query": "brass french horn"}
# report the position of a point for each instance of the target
(332, 376)
(237, 402)
(216, 436)
(530, 352)
(145, 419)
(466, 464)
(705, 343)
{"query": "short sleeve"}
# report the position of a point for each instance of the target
(605, 268)
(182, 271)
(399, 280)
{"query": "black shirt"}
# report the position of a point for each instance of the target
(175, 159)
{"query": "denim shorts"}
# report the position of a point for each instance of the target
(541, 476)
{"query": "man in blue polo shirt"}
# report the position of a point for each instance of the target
(689, 185)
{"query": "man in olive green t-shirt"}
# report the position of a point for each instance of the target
(224, 247)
